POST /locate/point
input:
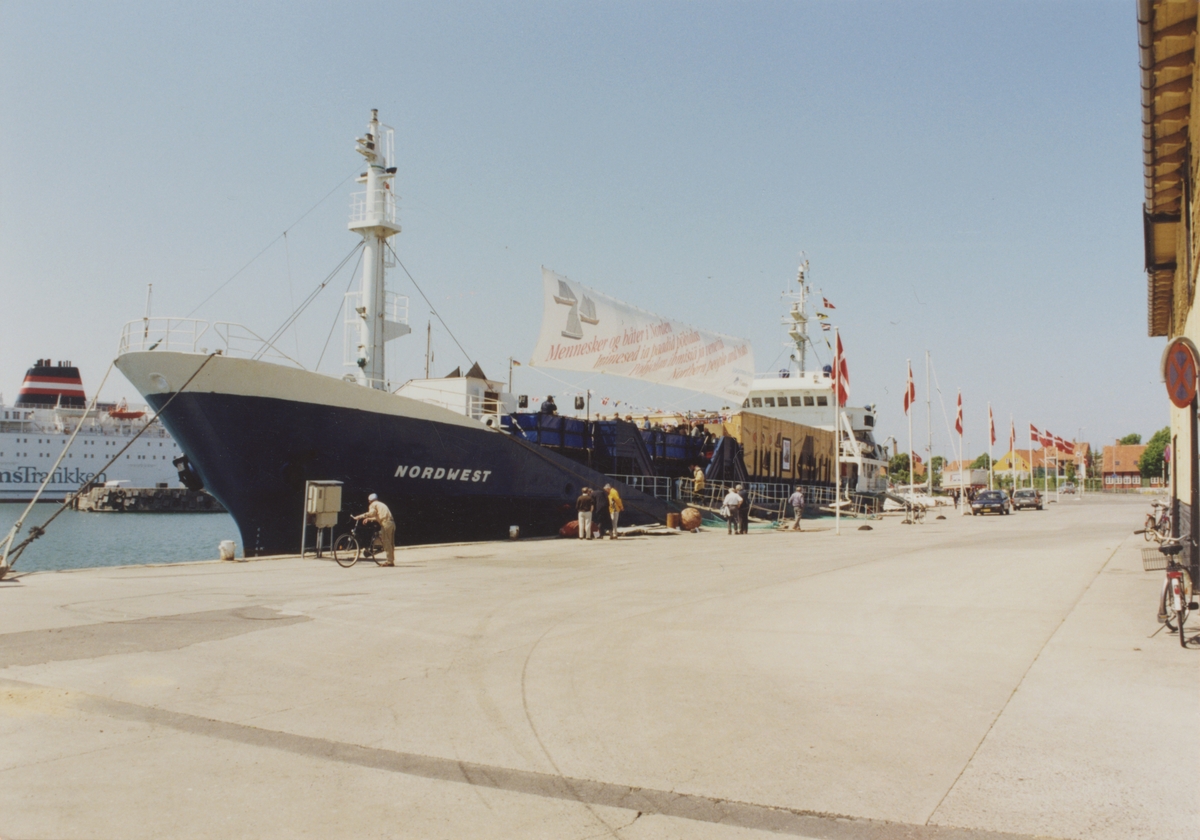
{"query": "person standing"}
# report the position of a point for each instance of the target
(796, 500)
(730, 508)
(379, 512)
(600, 513)
(548, 406)
(697, 482)
(743, 511)
(584, 506)
(615, 506)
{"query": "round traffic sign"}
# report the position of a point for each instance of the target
(1179, 371)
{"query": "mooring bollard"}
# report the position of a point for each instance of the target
(227, 550)
(514, 532)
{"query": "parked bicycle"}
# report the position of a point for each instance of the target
(360, 543)
(1158, 523)
(1175, 602)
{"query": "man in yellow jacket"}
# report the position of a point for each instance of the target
(614, 507)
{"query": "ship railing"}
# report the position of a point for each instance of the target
(658, 486)
(381, 206)
(768, 499)
(784, 373)
(469, 405)
(191, 335)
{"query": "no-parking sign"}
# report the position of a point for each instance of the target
(1179, 372)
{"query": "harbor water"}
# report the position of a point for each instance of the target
(84, 540)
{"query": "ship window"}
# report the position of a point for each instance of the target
(822, 400)
(756, 402)
(745, 403)
(770, 401)
(796, 400)
(869, 420)
(808, 401)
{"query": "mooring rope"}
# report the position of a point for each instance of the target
(10, 558)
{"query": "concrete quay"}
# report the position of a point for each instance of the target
(970, 678)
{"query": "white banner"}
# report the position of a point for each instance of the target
(586, 331)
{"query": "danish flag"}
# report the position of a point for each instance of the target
(958, 421)
(828, 305)
(910, 393)
(1012, 436)
(841, 374)
(991, 425)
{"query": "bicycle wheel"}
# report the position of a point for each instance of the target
(1165, 611)
(1149, 528)
(376, 552)
(1180, 612)
(345, 550)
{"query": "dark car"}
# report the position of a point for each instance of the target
(991, 501)
(1027, 498)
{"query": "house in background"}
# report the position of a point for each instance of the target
(1017, 459)
(1120, 468)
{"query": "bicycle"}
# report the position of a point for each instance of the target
(362, 542)
(1158, 523)
(1175, 602)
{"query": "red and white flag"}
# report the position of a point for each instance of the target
(958, 421)
(1046, 439)
(910, 393)
(1034, 434)
(828, 305)
(991, 426)
(1012, 436)
(841, 374)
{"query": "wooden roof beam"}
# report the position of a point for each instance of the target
(1175, 158)
(1179, 114)
(1180, 85)
(1178, 61)
(1179, 138)
(1179, 29)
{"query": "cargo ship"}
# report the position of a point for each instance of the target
(255, 426)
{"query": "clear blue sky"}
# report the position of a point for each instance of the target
(965, 178)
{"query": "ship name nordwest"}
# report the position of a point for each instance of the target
(442, 473)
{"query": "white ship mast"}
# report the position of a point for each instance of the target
(796, 319)
(373, 215)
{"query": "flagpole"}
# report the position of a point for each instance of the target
(962, 460)
(929, 424)
(1012, 451)
(991, 434)
(912, 464)
(1031, 486)
(837, 434)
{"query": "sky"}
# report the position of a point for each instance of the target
(964, 178)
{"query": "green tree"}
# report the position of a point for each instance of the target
(1151, 462)
(937, 463)
(898, 468)
(1130, 440)
(983, 462)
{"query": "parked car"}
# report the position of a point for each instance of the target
(991, 501)
(1067, 488)
(1027, 498)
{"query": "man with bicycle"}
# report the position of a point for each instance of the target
(379, 513)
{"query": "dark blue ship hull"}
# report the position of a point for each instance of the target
(444, 482)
